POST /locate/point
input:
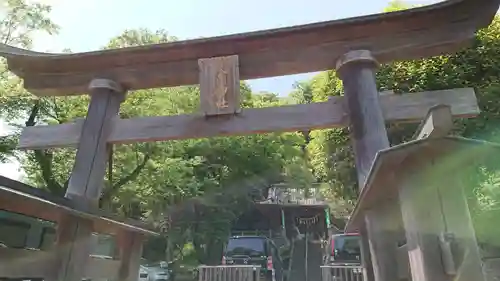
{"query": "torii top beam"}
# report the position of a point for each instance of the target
(415, 33)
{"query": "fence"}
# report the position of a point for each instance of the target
(342, 273)
(229, 273)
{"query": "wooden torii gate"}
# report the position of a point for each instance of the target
(353, 46)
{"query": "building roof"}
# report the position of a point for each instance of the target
(380, 188)
(20, 198)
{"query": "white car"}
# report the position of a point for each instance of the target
(153, 273)
(143, 274)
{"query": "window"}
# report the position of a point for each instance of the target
(248, 246)
(48, 238)
(13, 233)
(104, 245)
(347, 248)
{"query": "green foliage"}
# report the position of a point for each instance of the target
(330, 153)
(19, 20)
(138, 37)
(197, 188)
(477, 67)
(7, 145)
(397, 5)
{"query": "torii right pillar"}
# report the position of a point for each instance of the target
(368, 135)
(416, 185)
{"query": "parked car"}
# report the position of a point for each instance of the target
(160, 271)
(343, 249)
(255, 250)
(343, 253)
(143, 273)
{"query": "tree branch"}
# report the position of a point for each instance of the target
(8, 35)
(44, 157)
(112, 188)
(33, 114)
(134, 174)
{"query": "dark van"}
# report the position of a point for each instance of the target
(255, 250)
(343, 253)
(344, 249)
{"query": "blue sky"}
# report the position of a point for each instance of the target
(88, 25)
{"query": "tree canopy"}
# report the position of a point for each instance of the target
(197, 188)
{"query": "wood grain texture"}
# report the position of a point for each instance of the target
(396, 108)
(73, 247)
(457, 221)
(219, 85)
(366, 258)
(416, 106)
(130, 245)
(74, 234)
(403, 263)
(437, 123)
(367, 129)
(421, 32)
(420, 207)
(23, 263)
(87, 176)
(380, 188)
(368, 135)
(265, 63)
(382, 230)
(34, 202)
(98, 268)
(433, 202)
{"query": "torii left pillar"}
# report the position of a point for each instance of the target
(74, 235)
(368, 135)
